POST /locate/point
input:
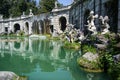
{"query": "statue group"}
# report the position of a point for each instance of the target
(72, 34)
(91, 24)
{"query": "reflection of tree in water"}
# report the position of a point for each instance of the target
(90, 76)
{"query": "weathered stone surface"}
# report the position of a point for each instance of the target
(90, 56)
(117, 45)
(116, 58)
(7, 75)
(37, 36)
(101, 46)
(102, 39)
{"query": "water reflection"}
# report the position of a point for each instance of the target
(42, 60)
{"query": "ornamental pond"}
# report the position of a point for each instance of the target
(39, 59)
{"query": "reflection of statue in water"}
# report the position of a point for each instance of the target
(90, 76)
(91, 25)
(105, 25)
(56, 4)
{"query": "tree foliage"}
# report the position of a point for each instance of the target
(46, 5)
(15, 8)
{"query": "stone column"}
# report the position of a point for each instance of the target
(10, 25)
(30, 28)
(118, 15)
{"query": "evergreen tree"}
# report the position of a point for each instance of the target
(4, 7)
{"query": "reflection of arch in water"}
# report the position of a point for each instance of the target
(27, 28)
(35, 27)
(16, 27)
(62, 22)
(17, 45)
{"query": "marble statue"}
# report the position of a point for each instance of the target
(31, 14)
(105, 25)
(81, 37)
(56, 4)
(91, 25)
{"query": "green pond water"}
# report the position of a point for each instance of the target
(42, 60)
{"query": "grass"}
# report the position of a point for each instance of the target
(89, 48)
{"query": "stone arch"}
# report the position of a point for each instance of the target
(35, 27)
(26, 27)
(16, 27)
(62, 22)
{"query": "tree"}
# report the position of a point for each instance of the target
(15, 8)
(46, 5)
(4, 7)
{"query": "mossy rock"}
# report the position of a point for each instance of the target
(90, 65)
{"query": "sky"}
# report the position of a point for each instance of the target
(64, 2)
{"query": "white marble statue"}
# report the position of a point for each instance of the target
(91, 25)
(56, 4)
(105, 25)
(81, 37)
(31, 14)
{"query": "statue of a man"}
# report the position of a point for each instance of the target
(91, 25)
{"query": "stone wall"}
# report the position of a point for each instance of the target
(80, 11)
(119, 17)
(57, 13)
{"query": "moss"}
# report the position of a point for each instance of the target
(20, 78)
(55, 38)
(71, 45)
